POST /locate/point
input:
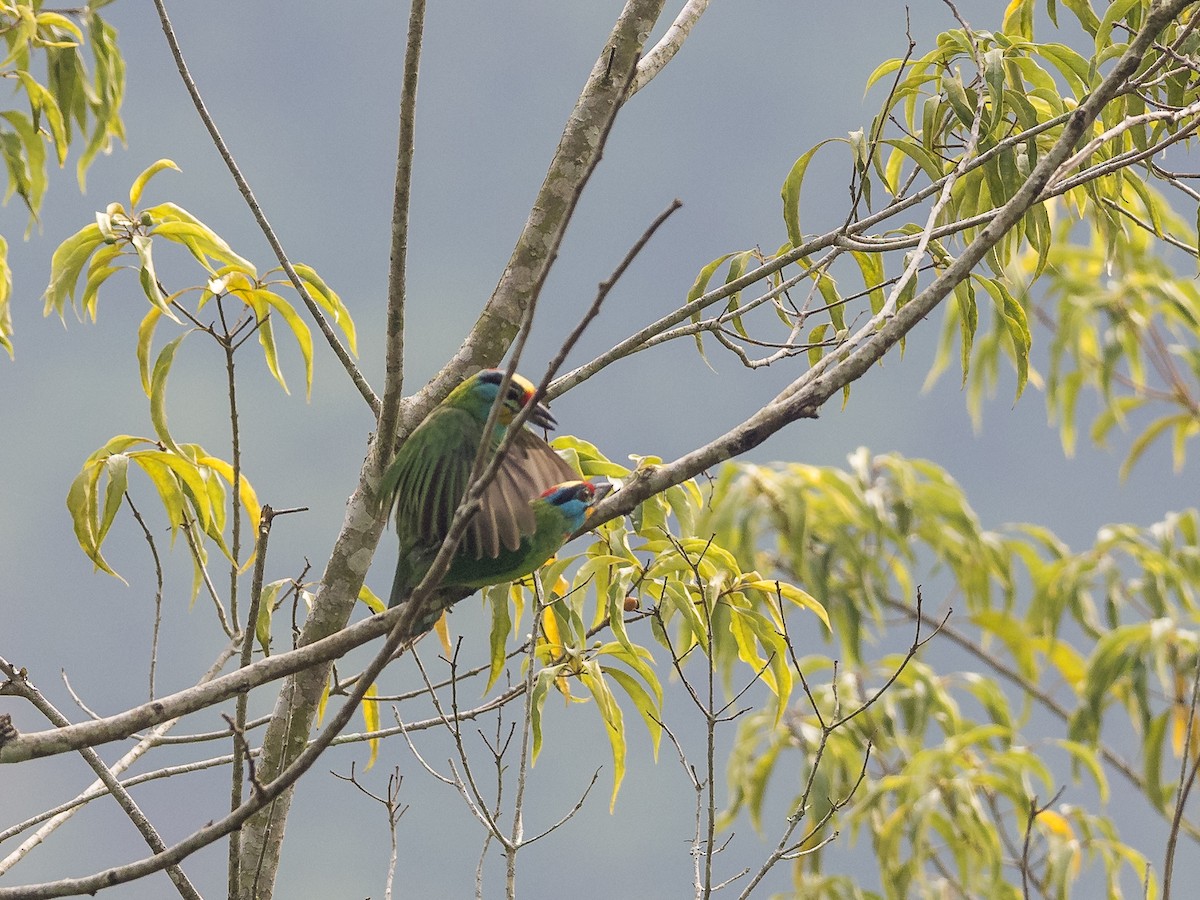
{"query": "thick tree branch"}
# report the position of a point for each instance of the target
(576, 157)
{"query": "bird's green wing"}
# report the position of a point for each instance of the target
(428, 478)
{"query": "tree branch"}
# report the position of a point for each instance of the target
(805, 396)
(397, 270)
(260, 217)
(26, 690)
(670, 44)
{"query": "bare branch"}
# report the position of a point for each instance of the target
(158, 592)
(1187, 778)
(670, 44)
(260, 217)
(25, 689)
(397, 271)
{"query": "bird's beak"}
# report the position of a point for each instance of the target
(602, 491)
(541, 417)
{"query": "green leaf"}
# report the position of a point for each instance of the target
(956, 95)
(177, 224)
(246, 493)
(1018, 19)
(6, 328)
(266, 335)
(993, 76)
(650, 711)
(790, 193)
(158, 391)
(882, 71)
(299, 331)
(148, 277)
(698, 289)
(66, 264)
(98, 272)
(328, 299)
(537, 701)
(968, 322)
(144, 344)
(1153, 431)
(871, 266)
(139, 183)
(1116, 11)
(82, 505)
(614, 723)
(1016, 325)
(929, 162)
(370, 711)
(1090, 760)
(794, 595)
(42, 102)
(266, 607)
(497, 597)
(187, 484)
(116, 467)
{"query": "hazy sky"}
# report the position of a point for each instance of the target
(306, 95)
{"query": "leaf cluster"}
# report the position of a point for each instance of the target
(1103, 644)
(44, 59)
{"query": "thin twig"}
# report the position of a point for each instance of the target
(1191, 758)
(24, 688)
(158, 590)
(238, 727)
(198, 559)
(1034, 812)
(259, 216)
(393, 387)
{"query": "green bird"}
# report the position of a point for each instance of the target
(427, 480)
(557, 514)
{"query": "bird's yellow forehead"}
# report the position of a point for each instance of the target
(523, 383)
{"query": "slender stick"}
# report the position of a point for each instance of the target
(158, 592)
(260, 217)
(239, 728)
(25, 689)
(397, 282)
(63, 813)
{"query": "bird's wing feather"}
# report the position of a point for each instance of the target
(530, 468)
(427, 479)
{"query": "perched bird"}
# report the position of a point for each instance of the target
(428, 478)
(558, 513)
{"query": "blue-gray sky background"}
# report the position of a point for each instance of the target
(306, 95)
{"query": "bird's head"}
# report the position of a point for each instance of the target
(480, 391)
(576, 499)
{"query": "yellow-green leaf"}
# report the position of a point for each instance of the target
(614, 722)
(139, 183)
(158, 391)
(370, 711)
